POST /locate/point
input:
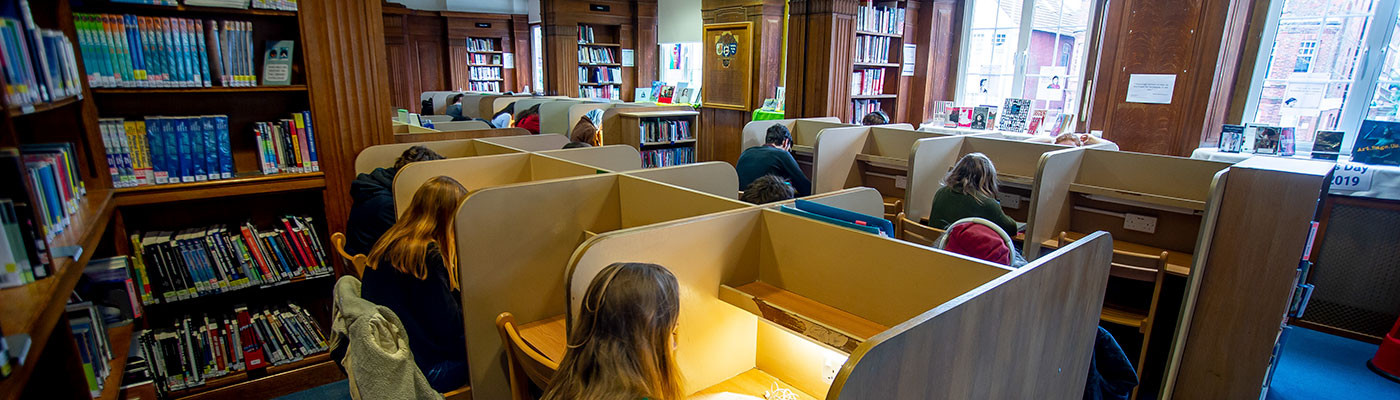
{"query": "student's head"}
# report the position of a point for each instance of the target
(975, 175)
(585, 132)
(875, 118)
(415, 154)
(533, 110)
(455, 99)
(427, 220)
(509, 109)
(576, 145)
(767, 189)
(778, 136)
(1070, 139)
(623, 339)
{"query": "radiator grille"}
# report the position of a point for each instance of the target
(1357, 273)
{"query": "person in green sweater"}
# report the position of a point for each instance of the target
(772, 158)
(970, 190)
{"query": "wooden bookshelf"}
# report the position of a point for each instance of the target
(41, 107)
(863, 99)
(248, 183)
(215, 89)
(629, 126)
(120, 338)
(152, 9)
(599, 52)
(483, 57)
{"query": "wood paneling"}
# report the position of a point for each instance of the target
(723, 127)
(820, 58)
(937, 34)
(427, 50)
(635, 21)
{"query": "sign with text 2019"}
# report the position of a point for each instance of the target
(728, 65)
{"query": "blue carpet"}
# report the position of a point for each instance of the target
(333, 390)
(1319, 366)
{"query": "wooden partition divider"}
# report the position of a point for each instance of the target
(384, 155)
(761, 304)
(873, 156)
(525, 103)
(611, 158)
(462, 134)
(541, 142)
(714, 177)
(475, 173)
(515, 242)
(555, 116)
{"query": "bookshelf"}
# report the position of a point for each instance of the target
(878, 42)
(485, 65)
(599, 61)
(664, 138)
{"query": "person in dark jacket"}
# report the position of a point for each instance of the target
(413, 271)
(454, 108)
(1111, 374)
(772, 158)
(372, 210)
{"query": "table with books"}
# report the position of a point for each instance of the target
(1355, 180)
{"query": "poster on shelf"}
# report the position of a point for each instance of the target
(1051, 84)
(910, 52)
(509, 61)
(629, 58)
(1377, 143)
(1151, 88)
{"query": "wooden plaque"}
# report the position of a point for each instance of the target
(728, 65)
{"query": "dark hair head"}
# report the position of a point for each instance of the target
(508, 109)
(768, 189)
(776, 135)
(416, 154)
(875, 118)
(621, 344)
(455, 98)
(577, 145)
(533, 110)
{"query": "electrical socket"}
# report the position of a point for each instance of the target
(1140, 223)
(1012, 201)
(830, 368)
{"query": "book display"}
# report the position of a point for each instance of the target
(1327, 145)
(1378, 143)
(486, 64)
(1232, 138)
(599, 68)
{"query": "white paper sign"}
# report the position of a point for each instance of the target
(509, 61)
(1151, 88)
(910, 52)
(1352, 177)
(628, 58)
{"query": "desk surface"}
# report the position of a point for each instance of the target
(1178, 263)
(549, 337)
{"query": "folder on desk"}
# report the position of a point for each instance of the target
(883, 225)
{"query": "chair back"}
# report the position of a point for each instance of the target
(916, 232)
(358, 261)
(1131, 265)
(524, 364)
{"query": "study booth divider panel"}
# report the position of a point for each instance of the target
(438, 135)
(871, 156)
(804, 133)
(475, 173)
(761, 303)
(384, 155)
(610, 158)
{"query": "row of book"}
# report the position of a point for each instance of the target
(189, 352)
(860, 107)
(585, 35)
(668, 157)
(39, 64)
(287, 145)
(135, 51)
(173, 266)
(284, 5)
(661, 130)
(474, 44)
(600, 92)
(94, 347)
(880, 20)
(596, 55)
(873, 49)
(485, 59)
(488, 86)
(161, 150)
(868, 81)
(40, 190)
(599, 75)
(485, 73)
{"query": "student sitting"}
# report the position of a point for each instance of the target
(502, 118)
(875, 118)
(1076, 140)
(413, 271)
(969, 190)
(623, 343)
(454, 108)
(768, 189)
(981, 239)
(372, 211)
(772, 158)
(576, 145)
(585, 132)
(529, 119)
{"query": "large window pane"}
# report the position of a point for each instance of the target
(537, 50)
(1386, 102)
(991, 50)
(1054, 49)
(680, 62)
(1055, 62)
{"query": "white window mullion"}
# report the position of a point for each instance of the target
(1261, 62)
(1363, 87)
(1023, 45)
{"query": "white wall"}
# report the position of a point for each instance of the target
(678, 21)
(481, 6)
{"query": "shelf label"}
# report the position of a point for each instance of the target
(1352, 177)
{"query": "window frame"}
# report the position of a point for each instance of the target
(537, 72)
(1362, 86)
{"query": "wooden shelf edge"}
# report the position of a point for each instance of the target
(233, 382)
(1125, 195)
(120, 338)
(255, 184)
(41, 107)
(188, 9)
(870, 33)
(823, 324)
(213, 89)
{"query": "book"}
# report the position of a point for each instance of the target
(1285, 141)
(130, 51)
(1017, 115)
(641, 95)
(39, 65)
(109, 282)
(964, 117)
(208, 260)
(277, 63)
(1327, 145)
(1036, 122)
(979, 117)
(690, 95)
(666, 94)
(1266, 139)
(1377, 143)
(1231, 138)
(197, 347)
(668, 157)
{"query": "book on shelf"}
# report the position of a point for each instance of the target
(1016, 117)
(872, 49)
(94, 349)
(277, 63)
(667, 93)
(880, 19)
(585, 34)
(190, 263)
(1286, 141)
(1036, 122)
(596, 55)
(860, 107)
(664, 130)
(39, 64)
(282, 5)
(197, 347)
(485, 73)
(868, 81)
(479, 44)
(600, 75)
(600, 92)
(1266, 139)
(1377, 143)
(668, 157)
(493, 87)
(110, 282)
(1327, 145)
(174, 3)
(690, 95)
(5, 367)
(167, 150)
(39, 192)
(129, 51)
(486, 59)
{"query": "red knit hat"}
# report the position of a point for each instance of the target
(978, 241)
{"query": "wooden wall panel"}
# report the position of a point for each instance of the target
(820, 47)
(722, 128)
(427, 50)
(937, 33)
(560, 19)
(349, 90)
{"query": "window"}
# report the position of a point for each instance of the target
(681, 62)
(1315, 72)
(537, 52)
(1031, 49)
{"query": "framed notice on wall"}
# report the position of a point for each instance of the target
(728, 63)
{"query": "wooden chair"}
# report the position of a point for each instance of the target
(524, 364)
(916, 232)
(893, 210)
(1137, 267)
(462, 393)
(358, 261)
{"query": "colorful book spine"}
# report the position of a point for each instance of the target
(148, 52)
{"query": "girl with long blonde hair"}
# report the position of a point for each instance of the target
(413, 271)
(970, 190)
(623, 343)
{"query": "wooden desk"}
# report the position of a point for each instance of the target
(1178, 263)
(549, 337)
